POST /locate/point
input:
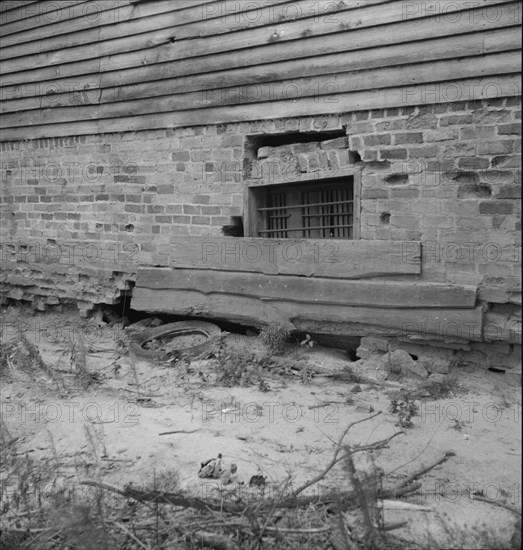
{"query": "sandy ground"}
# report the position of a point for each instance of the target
(112, 430)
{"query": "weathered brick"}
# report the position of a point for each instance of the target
(508, 192)
(510, 129)
(498, 147)
(445, 134)
(460, 149)
(423, 152)
(427, 120)
(181, 156)
(496, 207)
(163, 219)
(455, 120)
(200, 220)
(374, 193)
(338, 143)
(410, 137)
(165, 189)
(392, 112)
(390, 125)
(304, 147)
(377, 139)
(190, 209)
(400, 154)
(473, 163)
(404, 192)
(181, 219)
(507, 161)
(486, 117)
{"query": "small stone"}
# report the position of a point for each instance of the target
(363, 353)
(436, 365)
(437, 378)
(356, 389)
(401, 361)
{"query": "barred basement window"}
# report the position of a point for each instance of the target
(322, 209)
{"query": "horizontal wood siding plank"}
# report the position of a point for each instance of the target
(381, 294)
(321, 88)
(155, 63)
(253, 77)
(483, 88)
(343, 259)
(198, 18)
(440, 323)
(44, 19)
(13, 5)
(181, 49)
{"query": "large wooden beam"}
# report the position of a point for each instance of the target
(337, 258)
(502, 327)
(380, 294)
(465, 324)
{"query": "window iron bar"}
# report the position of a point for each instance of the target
(312, 227)
(267, 209)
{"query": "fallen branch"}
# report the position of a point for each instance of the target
(396, 491)
(334, 459)
(262, 505)
(497, 503)
(392, 526)
(179, 432)
(128, 533)
(479, 498)
(399, 505)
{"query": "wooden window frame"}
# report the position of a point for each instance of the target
(254, 223)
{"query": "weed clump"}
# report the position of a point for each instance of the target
(405, 408)
(275, 335)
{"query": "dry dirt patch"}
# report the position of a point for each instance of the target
(97, 415)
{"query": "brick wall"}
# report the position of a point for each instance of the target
(80, 214)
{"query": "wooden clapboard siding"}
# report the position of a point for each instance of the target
(337, 258)
(14, 6)
(85, 17)
(364, 51)
(176, 16)
(41, 13)
(189, 44)
(202, 37)
(9, 5)
(361, 68)
(256, 312)
(380, 294)
(504, 86)
(410, 75)
(152, 64)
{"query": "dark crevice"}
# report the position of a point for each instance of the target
(291, 138)
(495, 369)
(235, 229)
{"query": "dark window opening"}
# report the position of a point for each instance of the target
(319, 210)
(290, 138)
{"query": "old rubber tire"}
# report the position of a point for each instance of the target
(138, 340)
